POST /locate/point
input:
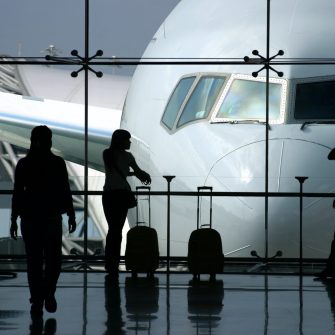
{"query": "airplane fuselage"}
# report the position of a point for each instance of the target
(225, 147)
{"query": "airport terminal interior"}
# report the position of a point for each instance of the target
(272, 289)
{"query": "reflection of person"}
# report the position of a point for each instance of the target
(114, 323)
(41, 195)
(118, 162)
(36, 328)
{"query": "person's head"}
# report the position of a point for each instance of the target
(40, 139)
(120, 140)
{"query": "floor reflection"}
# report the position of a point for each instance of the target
(142, 295)
(205, 303)
(38, 327)
(6, 322)
(114, 323)
(174, 305)
(330, 289)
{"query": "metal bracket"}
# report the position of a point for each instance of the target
(84, 62)
(265, 61)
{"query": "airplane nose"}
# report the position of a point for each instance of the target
(243, 170)
(304, 158)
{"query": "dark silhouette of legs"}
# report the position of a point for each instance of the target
(52, 254)
(53, 261)
(43, 242)
(331, 259)
(116, 213)
(34, 251)
(329, 271)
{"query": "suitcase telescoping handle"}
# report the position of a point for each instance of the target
(144, 188)
(210, 189)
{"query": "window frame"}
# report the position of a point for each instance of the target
(233, 77)
(190, 96)
(198, 76)
(196, 79)
(292, 97)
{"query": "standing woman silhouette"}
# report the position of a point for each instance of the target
(115, 197)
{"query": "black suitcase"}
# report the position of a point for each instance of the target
(205, 254)
(142, 252)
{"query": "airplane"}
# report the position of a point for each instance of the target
(207, 121)
(205, 124)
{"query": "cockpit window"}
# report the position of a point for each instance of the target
(202, 99)
(176, 100)
(315, 100)
(237, 99)
(246, 100)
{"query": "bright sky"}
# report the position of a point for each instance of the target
(120, 28)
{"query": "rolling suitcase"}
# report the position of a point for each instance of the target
(205, 254)
(142, 252)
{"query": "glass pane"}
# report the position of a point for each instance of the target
(39, 103)
(37, 28)
(125, 28)
(176, 101)
(202, 99)
(7, 245)
(245, 100)
(315, 100)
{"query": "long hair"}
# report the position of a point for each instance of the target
(118, 138)
(40, 140)
(117, 143)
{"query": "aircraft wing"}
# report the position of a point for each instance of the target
(19, 114)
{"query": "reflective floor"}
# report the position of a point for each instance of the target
(235, 304)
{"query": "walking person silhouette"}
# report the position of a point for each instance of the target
(117, 197)
(41, 195)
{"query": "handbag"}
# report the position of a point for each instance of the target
(130, 199)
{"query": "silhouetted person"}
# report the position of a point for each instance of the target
(41, 195)
(115, 198)
(329, 271)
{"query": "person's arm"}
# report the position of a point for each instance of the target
(143, 176)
